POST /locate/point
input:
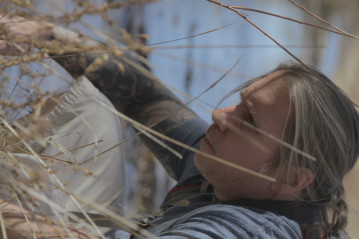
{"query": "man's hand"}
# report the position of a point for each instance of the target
(18, 34)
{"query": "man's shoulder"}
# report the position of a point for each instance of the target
(255, 214)
(250, 221)
(216, 221)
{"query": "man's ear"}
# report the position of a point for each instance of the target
(298, 179)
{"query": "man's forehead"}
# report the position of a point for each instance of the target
(271, 81)
(270, 97)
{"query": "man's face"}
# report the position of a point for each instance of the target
(265, 105)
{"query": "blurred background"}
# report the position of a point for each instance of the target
(193, 43)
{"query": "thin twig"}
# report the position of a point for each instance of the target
(196, 35)
(322, 20)
(260, 29)
(233, 46)
(338, 31)
(75, 15)
(25, 216)
(2, 226)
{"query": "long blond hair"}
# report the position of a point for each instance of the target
(326, 126)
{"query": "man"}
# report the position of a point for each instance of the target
(267, 133)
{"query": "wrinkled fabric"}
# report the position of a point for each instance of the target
(83, 128)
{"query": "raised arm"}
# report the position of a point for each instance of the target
(135, 94)
(125, 82)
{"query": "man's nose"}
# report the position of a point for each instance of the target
(222, 116)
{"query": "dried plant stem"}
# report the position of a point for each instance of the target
(59, 183)
(2, 226)
(122, 222)
(322, 20)
(234, 46)
(260, 29)
(162, 144)
(337, 31)
(199, 64)
(112, 147)
(25, 216)
(101, 9)
(90, 225)
(196, 35)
